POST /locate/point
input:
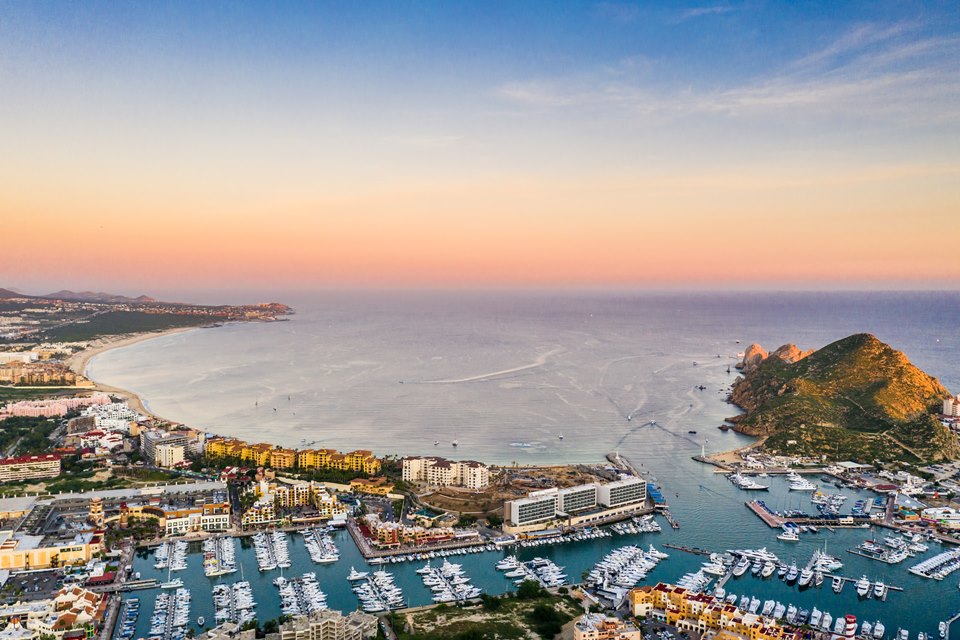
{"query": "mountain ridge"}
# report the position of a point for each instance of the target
(854, 398)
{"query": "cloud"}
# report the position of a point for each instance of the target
(871, 71)
(697, 12)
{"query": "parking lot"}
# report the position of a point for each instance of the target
(33, 585)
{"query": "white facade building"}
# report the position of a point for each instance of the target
(951, 407)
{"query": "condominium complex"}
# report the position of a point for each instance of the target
(580, 505)
(151, 439)
(703, 613)
(71, 608)
(394, 534)
(265, 455)
(275, 497)
(53, 408)
(440, 472)
(330, 625)
(169, 455)
(30, 467)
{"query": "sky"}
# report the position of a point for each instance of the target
(168, 147)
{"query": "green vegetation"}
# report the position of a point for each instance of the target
(15, 394)
(23, 435)
(499, 618)
(856, 398)
(120, 322)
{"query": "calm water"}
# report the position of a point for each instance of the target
(493, 371)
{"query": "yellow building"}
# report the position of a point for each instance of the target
(21, 552)
(372, 486)
(283, 458)
(265, 455)
(701, 612)
(275, 496)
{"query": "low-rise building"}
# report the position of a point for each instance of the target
(596, 626)
(330, 625)
(19, 552)
(702, 613)
(71, 609)
(188, 515)
(276, 498)
(265, 455)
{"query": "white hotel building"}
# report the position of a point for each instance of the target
(440, 472)
(580, 505)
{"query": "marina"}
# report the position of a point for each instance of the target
(171, 616)
(272, 550)
(234, 603)
(300, 596)
(320, 545)
(378, 592)
(219, 556)
(448, 582)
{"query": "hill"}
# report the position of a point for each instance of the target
(6, 294)
(857, 398)
(95, 296)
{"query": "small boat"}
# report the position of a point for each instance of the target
(691, 432)
(436, 442)
(455, 443)
(943, 629)
(200, 621)
(837, 585)
(560, 436)
(176, 583)
(863, 586)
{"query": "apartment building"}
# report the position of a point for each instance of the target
(703, 613)
(596, 626)
(440, 472)
(275, 497)
(29, 467)
(330, 625)
(169, 455)
(151, 438)
(265, 455)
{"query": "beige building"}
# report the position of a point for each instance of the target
(596, 626)
(169, 455)
(440, 472)
(330, 625)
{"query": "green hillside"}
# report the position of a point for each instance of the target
(856, 398)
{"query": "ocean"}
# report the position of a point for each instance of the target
(505, 374)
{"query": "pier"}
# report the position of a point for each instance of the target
(694, 550)
(774, 521)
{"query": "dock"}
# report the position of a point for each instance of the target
(774, 521)
(694, 550)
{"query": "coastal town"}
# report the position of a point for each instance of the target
(98, 493)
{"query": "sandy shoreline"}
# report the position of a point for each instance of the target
(79, 362)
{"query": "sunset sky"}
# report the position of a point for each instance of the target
(156, 147)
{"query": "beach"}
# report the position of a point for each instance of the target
(79, 362)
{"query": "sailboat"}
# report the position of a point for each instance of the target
(175, 583)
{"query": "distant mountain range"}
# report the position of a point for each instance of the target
(78, 296)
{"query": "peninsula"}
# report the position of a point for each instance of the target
(856, 398)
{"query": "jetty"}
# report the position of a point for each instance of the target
(694, 550)
(775, 521)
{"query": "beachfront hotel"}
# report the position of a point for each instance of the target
(72, 608)
(580, 505)
(266, 455)
(700, 612)
(440, 472)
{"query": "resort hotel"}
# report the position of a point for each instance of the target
(581, 505)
